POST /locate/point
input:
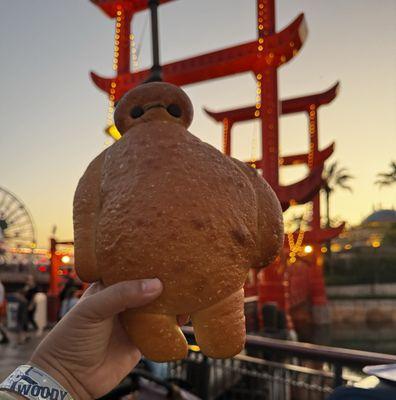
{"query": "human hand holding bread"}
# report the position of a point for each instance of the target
(88, 352)
(160, 203)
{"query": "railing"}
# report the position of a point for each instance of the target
(20, 277)
(272, 369)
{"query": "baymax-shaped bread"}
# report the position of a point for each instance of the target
(160, 203)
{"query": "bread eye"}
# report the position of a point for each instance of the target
(136, 112)
(174, 110)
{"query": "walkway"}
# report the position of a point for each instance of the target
(12, 355)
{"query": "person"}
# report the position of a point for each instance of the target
(70, 299)
(29, 291)
(88, 352)
(69, 293)
(3, 335)
(68, 284)
(19, 313)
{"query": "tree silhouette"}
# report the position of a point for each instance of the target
(333, 178)
(387, 178)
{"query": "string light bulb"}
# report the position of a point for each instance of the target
(312, 133)
(259, 77)
(225, 135)
(135, 63)
(296, 246)
(257, 113)
(111, 129)
(308, 249)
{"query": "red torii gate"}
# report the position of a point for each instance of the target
(262, 56)
(122, 11)
(314, 158)
(270, 286)
(288, 106)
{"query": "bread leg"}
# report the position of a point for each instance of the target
(157, 336)
(220, 329)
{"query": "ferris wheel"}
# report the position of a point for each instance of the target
(16, 224)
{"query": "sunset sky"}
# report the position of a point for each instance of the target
(52, 116)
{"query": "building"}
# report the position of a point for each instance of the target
(377, 231)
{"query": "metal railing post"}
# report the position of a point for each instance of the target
(338, 381)
(204, 393)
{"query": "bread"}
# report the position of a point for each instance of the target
(161, 203)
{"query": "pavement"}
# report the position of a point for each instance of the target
(12, 355)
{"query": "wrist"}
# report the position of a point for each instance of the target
(32, 383)
(8, 395)
(55, 369)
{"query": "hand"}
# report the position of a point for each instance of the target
(88, 351)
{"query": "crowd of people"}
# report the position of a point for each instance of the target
(21, 305)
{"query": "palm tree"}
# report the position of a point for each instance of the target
(334, 177)
(387, 178)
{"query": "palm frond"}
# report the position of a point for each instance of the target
(385, 175)
(387, 178)
(341, 171)
(334, 177)
(345, 177)
(331, 169)
(384, 182)
(344, 186)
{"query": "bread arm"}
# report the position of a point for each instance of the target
(86, 208)
(270, 219)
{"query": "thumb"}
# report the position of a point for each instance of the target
(118, 297)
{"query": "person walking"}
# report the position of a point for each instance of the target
(21, 316)
(29, 292)
(70, 299)
(70, 292)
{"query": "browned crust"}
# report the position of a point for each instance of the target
(270, 218)
(86, 208)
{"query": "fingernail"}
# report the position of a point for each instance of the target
(151, 285)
